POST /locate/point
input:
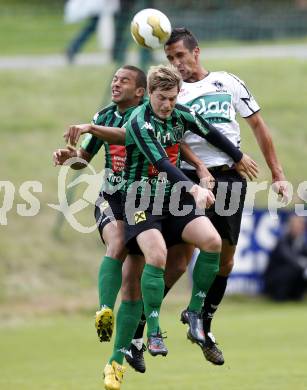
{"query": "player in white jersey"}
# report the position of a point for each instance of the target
(219, 96)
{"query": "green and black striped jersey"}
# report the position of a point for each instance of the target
(150, 139)
(115, 155)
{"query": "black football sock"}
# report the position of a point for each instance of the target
(213, 299)
(140, 329)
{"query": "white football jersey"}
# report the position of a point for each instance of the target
(218, 97)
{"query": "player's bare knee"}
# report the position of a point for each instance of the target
(213, 243)
(157, 257)
(116, 249)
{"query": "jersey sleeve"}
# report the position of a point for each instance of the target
(142, 134)
(243, 101)
(90, 143)
(194, 122)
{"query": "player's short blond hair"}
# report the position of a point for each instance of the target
(164, 77)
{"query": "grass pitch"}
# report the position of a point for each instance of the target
(264, 346)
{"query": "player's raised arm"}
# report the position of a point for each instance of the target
(114, 135)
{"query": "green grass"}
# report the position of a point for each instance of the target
(263, 345)
(36, 27)
(37, 108)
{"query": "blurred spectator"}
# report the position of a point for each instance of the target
(98, 13)
(111, 20)
(286, 275)
(123, 18)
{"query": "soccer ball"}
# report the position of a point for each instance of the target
(150, 28)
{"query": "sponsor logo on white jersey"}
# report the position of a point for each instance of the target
(213, 106)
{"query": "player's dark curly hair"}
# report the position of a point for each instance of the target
(182, 34)
(141, 80)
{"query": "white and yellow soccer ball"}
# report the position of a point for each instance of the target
(150, 28)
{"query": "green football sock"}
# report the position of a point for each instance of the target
(140, 329)
(205, 270)
(152, 284)
(128, 317)
(109, 281)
